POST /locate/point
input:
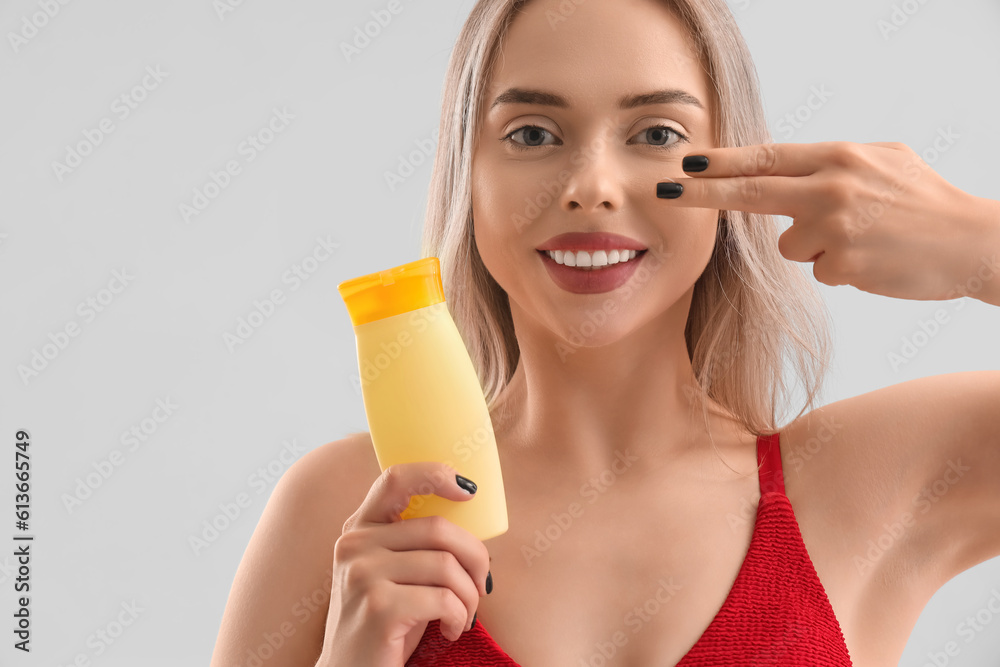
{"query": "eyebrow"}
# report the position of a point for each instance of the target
(526, 96)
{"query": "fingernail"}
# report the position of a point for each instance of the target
(489, 582)
(694, 163)
(669, 190)
(473, 620)
(467, 484)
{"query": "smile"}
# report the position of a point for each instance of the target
(591, 279)
(595, 260)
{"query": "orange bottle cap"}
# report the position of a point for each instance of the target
(393, 291)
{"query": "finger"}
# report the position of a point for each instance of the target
(436, 533)
(779, 195)
(763, 160)
(390, 494)
(431, 568)
(428, 603)
(796, 245)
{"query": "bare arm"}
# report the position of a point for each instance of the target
(280, 595)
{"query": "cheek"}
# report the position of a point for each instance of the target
(496, 191)
(693, 249)
(699, 227)
(500, 206)
(493, 219)
(688, 232)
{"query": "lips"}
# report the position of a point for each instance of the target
(591, 241)
(596, 281)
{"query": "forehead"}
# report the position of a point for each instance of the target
(598, 51)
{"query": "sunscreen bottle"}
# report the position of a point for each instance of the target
(422, 397)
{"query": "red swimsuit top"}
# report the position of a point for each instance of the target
(777, 612)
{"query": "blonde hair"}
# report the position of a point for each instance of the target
(750, 306)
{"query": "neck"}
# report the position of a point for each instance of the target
(582, 408)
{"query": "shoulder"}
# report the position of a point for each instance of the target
(862, 450)
(322, 489)
(284, 579)
(882, 470)
(331, 478)
(848, 458)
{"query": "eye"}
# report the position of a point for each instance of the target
(534, 133)
(658, 133)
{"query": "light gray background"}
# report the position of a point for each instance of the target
(292, 385)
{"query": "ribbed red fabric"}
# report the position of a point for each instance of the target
(777, 611)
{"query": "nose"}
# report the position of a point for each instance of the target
(594, 181)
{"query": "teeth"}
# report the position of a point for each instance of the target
(594, 260)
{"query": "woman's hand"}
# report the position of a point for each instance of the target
(392, 577)
(874, 216)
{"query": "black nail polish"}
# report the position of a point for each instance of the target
(694, 163)
(473, 620)
(467, 484)
(669, 190)
(489, 582)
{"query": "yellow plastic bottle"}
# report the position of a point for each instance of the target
(421, 394)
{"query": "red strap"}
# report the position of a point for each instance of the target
(770, 473)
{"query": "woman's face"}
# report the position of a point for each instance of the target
(591, 165)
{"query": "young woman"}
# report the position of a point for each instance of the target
(632, 349)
